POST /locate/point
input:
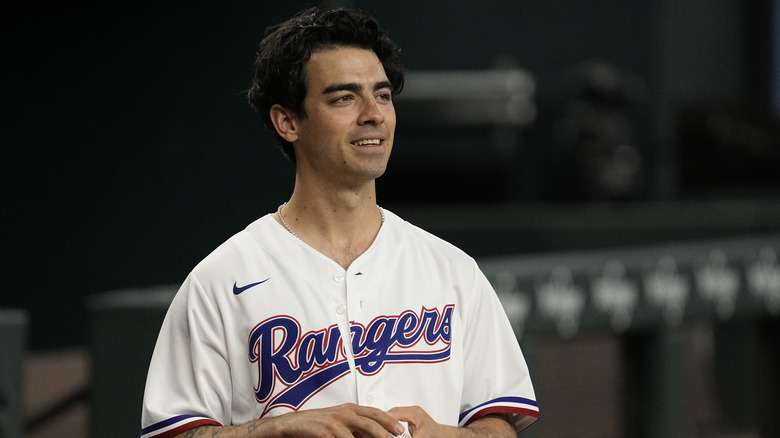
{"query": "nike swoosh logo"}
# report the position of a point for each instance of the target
(238, 290)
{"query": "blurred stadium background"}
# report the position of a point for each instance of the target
(612, 165)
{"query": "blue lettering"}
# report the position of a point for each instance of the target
(307, 363)
(261, 342)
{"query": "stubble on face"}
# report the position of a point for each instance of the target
(347, 132)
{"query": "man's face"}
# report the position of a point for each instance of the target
(347, 134)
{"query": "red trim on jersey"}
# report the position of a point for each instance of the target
(501, 410)
(185, 427)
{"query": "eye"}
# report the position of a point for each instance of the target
(344, 99)
(384, 97)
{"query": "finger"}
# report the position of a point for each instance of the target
(414, 416)
(366, 427)
(383, 418)
(405, 413)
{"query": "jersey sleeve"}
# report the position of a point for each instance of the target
(496, 374)
(186, 384)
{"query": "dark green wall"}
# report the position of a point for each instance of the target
(129, 153)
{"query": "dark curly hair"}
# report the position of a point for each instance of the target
(279, 71)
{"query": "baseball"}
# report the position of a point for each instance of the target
(406, 433)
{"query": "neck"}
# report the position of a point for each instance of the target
(341, 225)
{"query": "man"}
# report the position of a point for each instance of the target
(332, 317)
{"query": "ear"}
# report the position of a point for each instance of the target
(285, 122)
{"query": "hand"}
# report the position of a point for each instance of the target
(344, 421)
(420, 424)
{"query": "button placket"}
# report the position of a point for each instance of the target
(341, 307)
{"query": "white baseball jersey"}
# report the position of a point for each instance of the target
(266, 325)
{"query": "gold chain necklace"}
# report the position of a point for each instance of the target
(279, 212)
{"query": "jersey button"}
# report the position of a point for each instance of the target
(341, 309)
(369, 399)
(338, 278)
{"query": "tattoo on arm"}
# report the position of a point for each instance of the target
(215, 431)
(192, 432)
(201, 431)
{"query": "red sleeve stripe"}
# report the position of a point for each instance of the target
(502, 410)
(178, 427)
(526, 409)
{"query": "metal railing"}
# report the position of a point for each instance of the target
(645, 295)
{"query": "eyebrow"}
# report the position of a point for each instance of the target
(354, 87)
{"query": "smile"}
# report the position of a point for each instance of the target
(373, 141)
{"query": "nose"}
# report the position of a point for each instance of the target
(371, 113)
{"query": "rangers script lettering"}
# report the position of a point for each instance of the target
(306, 363)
